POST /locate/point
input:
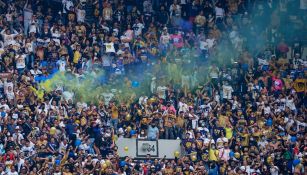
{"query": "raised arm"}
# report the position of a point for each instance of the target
(3, 31)
(26, 4)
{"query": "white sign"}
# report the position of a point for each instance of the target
(147, 147)
(135, 148)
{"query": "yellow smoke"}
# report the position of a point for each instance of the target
(89, 90)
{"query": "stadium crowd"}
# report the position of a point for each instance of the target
(245, 117)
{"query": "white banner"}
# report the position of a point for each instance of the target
(141, 148)
(147, 147)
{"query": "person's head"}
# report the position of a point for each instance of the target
(165, 30)
(66, 169)
(89, 158)
(181, 113)
(13, 169)
(17, 129)
(23, 170)
(8, 32)
(142, 132)
(27, 143)
(198, 135)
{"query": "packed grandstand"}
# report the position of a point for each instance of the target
(226, 79)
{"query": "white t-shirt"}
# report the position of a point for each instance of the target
(84, 146)
(210, 42)
(207, 141)
(175, 10)
(12, 173)
(290, 104)
(267, 110)
(246, 169)
(214, 73)
(194, 121)
(165, 38)
(138, 28)
(109, 47)
(107, 97)
(33, 27)
(8, 39)
(203, 130)
(19, 136)
(62, 65)
(80, 15)
(55, 33)
(262, 144)
(153, 86)
(203, 45)
(143, 100)
(227, 91)
(262, 62)
(6, 107)
(219, 12)
(66, 5)
(9, 17)
(282, 104)
(29, 47)
(183, 107)
(35, 72)
(10, 95)
(222, 139)
(7, 85)
(161, 91)
(274, 170)
(105, 28)
(68, 95)
(29, 148)
(81, 105)
(298, 62)
(62, 147)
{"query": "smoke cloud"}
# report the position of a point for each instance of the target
(238, 39)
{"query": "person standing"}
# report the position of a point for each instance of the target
(152, 132)
(27, 17)
(114, 115)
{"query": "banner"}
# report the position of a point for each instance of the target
(136, 148)
(147, 147)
